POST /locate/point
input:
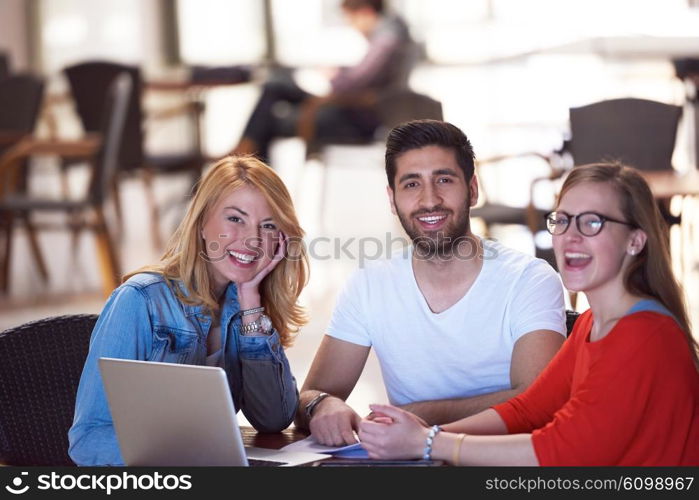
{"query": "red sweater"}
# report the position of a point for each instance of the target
(631, 398)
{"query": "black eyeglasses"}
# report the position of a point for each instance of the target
(588, 223)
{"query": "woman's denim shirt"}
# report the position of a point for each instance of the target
(144, 320)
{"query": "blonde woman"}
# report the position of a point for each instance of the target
(223, 294)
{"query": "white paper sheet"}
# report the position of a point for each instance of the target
(312, 446)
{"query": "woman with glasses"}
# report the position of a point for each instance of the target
(624, 388)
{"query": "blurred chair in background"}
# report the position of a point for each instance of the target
(85, 213)
(41, 368)
(495, 212)
(20, 101)
(402, 105)
(89, 82)
(571, 318)
(4, 66)
(638, 132)
(393, 107)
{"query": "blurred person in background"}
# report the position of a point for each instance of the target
(349, 111)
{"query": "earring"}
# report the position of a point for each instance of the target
(632, 251)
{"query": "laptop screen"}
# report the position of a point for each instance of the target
(169, 414)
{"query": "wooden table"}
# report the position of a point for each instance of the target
(280, 439)
(276, 440)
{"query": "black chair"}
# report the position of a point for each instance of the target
(571, 318)
(85, 213)
(4, 66)
(493, 212)
(392, 107)
(89, 82)
(637, 132)
(402, 105)
(41, 366)
(20, 101)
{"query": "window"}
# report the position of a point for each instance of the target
(221, 32)
(76, 30)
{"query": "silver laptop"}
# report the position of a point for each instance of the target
(168, 414)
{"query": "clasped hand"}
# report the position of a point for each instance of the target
(392, 433)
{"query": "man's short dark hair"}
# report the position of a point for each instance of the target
(377, 5)
(418, 134)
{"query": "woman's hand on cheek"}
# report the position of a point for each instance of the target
(249, 291)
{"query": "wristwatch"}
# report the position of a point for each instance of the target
(262, 325)
(313, 403)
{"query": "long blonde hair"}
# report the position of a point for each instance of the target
(183, 260)
(650, 273)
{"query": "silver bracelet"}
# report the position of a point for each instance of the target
(427, 452)
(254, 310)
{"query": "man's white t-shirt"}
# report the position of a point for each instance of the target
(463, 351)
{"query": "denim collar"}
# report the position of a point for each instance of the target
(199, 310)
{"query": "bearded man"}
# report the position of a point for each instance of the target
(458, 323)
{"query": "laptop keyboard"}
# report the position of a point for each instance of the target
(256, 462)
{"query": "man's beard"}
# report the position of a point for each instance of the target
(442, 243)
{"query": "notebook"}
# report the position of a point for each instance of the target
(169, 414)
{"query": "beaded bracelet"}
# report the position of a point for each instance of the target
(427, 452)
(254, 310)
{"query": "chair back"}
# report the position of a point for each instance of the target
(41, 366)
(402, 105)
(571, 318)
(20, 101)
(686, 67)
(89, 84)
(4, 66)
(114, 121)
(637, 132)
